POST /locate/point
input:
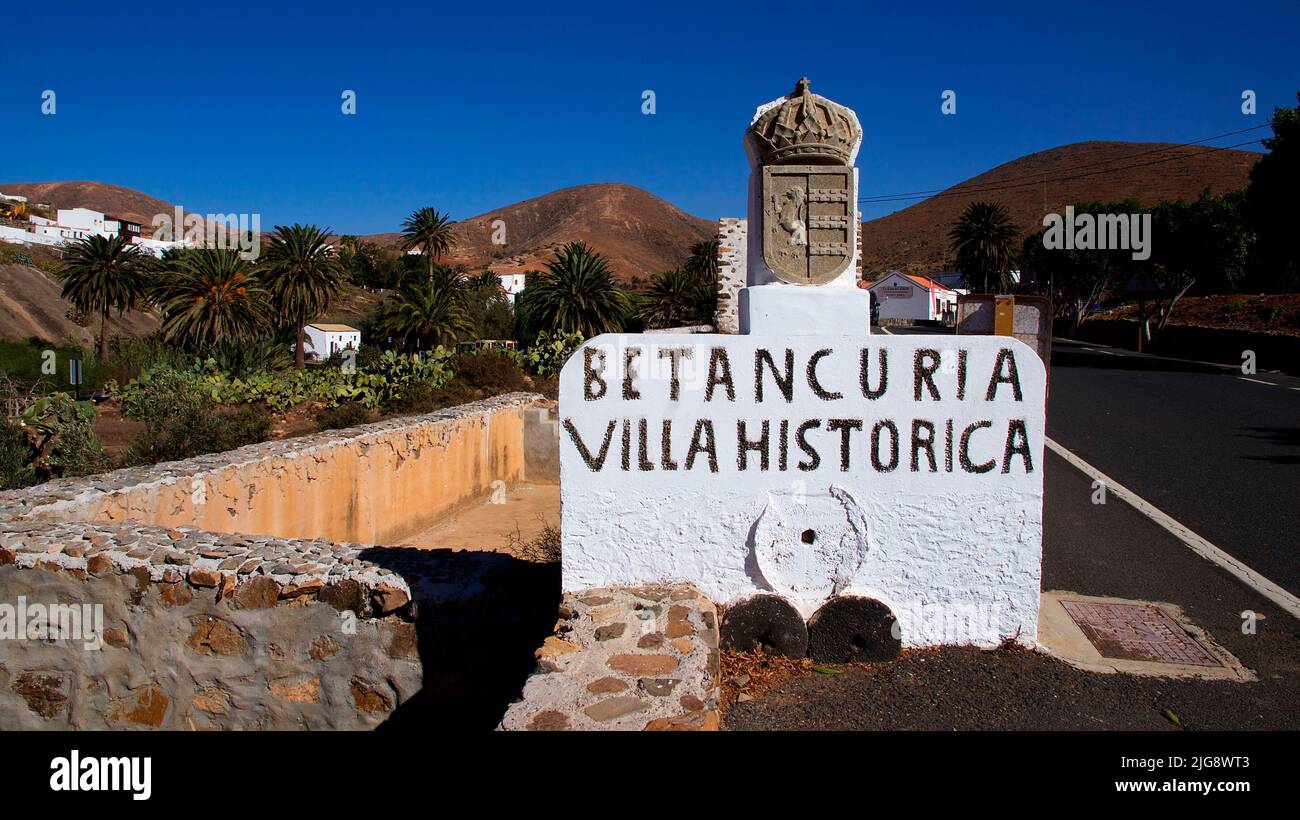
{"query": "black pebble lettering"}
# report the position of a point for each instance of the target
(718, 360)
(920, 443)
(702, 444)
(594, 463)
(783, 383)
(814, 460)
(923, 372)
(884, 374)
(1017, 444)
(963, 450)
(675, 356)
(744, 445)
(884, 424)
(846, 428)
(961, 374)
(592, 376)
(643, 434)
(630, 356)
(1013, 376)
(812, 377)
(666, 447)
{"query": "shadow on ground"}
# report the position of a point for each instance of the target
(478, 617)
(969, 688)
(1101, 361)
(1278, 437)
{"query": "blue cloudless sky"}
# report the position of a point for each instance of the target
(235, 107)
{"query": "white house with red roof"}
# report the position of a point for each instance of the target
(913, 298)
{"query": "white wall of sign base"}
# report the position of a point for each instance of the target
(763, 463)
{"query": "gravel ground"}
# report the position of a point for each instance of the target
(965, 688)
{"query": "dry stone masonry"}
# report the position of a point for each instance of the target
(732, 247)
(109, 619)
(631, 658)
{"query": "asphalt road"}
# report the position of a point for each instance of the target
(1217, 453)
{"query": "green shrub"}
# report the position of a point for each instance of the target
(347, 414)
(427, 396)
(238, 426)
(182, 421)
(129, 357)
(58, 438)
(490, 371)
(479, 375)
(375, 381)
(550, 351)
(15, 458)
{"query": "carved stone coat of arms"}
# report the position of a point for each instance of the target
(807, 216)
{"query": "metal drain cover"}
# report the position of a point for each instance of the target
(1137, 632)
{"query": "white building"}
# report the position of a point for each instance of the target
(157, 246)
(12, 197)
(72, 224)
(85, 221)
(913, 298)
(324, 340)
(512, 284)
(17, 236)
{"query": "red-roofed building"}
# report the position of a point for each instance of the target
(915, 298)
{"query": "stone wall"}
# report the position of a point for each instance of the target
(639, 658)
(731, 272)
(197, 630)
(172, 626)
(373, 484)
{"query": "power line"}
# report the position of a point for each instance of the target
(1046, 176)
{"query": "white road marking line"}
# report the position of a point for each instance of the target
(1256, 381)
(1194, 542)
(886, 330)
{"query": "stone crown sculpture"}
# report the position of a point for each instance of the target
(806, 128)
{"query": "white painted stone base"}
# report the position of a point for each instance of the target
(805, 310)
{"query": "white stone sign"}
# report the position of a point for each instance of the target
(903, 468)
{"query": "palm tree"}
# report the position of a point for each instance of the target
(576, 293)
(100, 274)
(487, 281)
(984, 240)
(303, 276)
(430, 231)
(209, 298)
(428, 311)
(678, 297)
(704, 260)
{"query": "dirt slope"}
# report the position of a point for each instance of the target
(30, 305)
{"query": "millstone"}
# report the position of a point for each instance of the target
(851, 629)
(766, 623)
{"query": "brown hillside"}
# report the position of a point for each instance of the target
(637, 231)
(98, 196)
(915, 239)
(30, 305)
